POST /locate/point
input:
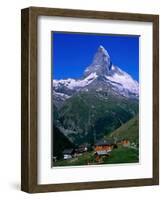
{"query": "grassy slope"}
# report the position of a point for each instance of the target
(120, 155)
(128, 130)
(123, 155)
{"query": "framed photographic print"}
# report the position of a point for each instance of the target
(90, 100)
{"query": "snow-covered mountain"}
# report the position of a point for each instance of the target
(99, 102)
(101, 75)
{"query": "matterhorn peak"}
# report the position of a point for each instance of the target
(101, 63)
(103, 51)
(101, 57)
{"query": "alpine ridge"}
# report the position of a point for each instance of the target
(100, 75)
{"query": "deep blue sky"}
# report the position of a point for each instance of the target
(73, 52)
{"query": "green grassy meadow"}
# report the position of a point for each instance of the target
(119, 155)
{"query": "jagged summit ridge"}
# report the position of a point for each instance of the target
(101, 63)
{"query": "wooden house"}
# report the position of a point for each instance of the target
(103, 147)
(68, 154)
(125, 142)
